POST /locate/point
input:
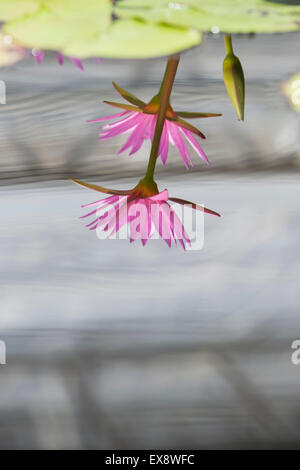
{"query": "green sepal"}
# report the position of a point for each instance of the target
(188, 115)
(128, 96)
(194, 206)
(124, 106)
(189, 127)
(100, 189)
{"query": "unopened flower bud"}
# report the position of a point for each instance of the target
(234, 79)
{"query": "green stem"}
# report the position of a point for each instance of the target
(228, 44)
(164, 79)
(165, 93)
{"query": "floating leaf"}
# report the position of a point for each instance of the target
(87, 29)
(135, 39)
(14, 9)
(231, 16)
(53, 26)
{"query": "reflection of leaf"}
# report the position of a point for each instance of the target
(231, 16)
(291, 89)
(85, 28)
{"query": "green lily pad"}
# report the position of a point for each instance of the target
(47, 30)
(14, 9)
(230, 16)
(135, 39)
(56, 23)
(88, 28)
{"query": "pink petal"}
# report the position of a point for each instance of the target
(153, 125)
(149, 130)
(180, 144)
(122, 129)
(191, 139)
(164, 144)
(107, 219)
(162, 196)
(179, 230)
(108, 200)
(167, 233)
(176, 227)
(60, 58)
(77, 62)
(141, 135)
(113, 116)
(39, 56)
(121, 121)
(90, 213)
(95, 222)
(118, 218)
(121, 218)
(157, 219)
(138, 212)
(136, 139)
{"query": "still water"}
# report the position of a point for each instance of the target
(112, 345)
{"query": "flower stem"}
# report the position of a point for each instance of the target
(165, 93)
(228, 44)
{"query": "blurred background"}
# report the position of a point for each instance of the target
(114, 346)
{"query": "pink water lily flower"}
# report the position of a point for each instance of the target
(40, 55)
(139, 119)
(144, 209)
